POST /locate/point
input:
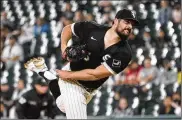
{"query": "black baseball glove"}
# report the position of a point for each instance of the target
(76, 53)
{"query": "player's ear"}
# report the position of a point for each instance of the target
(132, 30)
(116, 21)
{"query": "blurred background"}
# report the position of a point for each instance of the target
(150, 87)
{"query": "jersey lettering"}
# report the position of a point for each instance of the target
(106, 57)
(116, 63)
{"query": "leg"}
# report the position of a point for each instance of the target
(74, 100)
(38, 65)
(52, 81)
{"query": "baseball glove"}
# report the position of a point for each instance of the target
(76, 53)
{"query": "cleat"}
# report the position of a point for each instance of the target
(36, 65)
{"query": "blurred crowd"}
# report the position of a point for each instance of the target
(150, 85)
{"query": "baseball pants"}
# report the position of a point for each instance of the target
(71, 98)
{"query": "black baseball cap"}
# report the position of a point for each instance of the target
(127, 14)
(41, 82)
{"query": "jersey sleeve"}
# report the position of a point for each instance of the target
(116, 63)
(81, 29)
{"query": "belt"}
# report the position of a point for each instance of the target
(90, 90)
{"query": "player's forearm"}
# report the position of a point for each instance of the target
(66, 35)
(85, 75)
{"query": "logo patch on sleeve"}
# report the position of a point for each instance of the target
(22, 100)
(116, 63)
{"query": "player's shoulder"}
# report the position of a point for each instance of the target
(94, 24)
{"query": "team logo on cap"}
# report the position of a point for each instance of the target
(133, 14)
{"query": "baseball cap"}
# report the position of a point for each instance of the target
(127, 14)
(41, 82)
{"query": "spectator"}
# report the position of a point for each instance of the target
(131, 76)
(135, 41)
(6, 96)
(25, 39)
(2, 110)
(176, 14)
(35, 101)
(168, 76)
(123, 109)
(19, 90)
(41, 27)
(105, 6)
(166, 107)
(161, 39)
(119, 87)
(5, 21)
(126, 83)
(147, 38)
(25, 34)
(5, 33)
(148, 82)
(165, 12)
(66, 19)
(67, 12)
(89, 17)
(17, 93)
(79, 16)
(12, 53)
(176, 97)
(106, 19)
(68, 7)
(149, 74)
(2, 64)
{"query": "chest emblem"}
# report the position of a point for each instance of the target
(93, 38)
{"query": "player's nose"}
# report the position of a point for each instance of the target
(130, 25)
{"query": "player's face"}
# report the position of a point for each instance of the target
(123, 104)
(41, 89)
(124, 27)
(147, 63)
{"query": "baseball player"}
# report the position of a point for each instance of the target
(102, 51)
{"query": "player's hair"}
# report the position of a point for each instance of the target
(148, 58)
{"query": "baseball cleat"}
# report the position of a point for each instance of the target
(36, 65)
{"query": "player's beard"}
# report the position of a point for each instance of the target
(122, 35)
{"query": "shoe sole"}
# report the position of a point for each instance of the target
(38, 62)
